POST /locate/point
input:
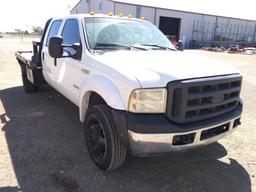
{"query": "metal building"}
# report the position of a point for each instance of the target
(195, 27)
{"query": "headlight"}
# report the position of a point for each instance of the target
(148, 101)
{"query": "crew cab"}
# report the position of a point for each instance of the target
(136, 92)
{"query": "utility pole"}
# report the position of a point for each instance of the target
(22, 36)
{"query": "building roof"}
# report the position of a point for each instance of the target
(226, 8)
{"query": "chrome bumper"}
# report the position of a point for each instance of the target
(143, 144)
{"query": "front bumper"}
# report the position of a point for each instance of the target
(150, 134)
(143, 144)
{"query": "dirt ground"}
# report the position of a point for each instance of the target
(42, 148)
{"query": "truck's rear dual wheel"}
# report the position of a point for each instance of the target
(103, 142)
(28, 86)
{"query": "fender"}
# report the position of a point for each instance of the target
(105, 88)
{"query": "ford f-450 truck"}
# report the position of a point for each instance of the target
(135, 91)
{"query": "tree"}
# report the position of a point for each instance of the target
(18, 31)
(26, 32)
(37, 29)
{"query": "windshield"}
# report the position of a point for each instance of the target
(105, 33)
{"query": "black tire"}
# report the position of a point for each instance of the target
(28, 86)
(100, 127)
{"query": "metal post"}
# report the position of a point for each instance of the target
(254, 34)
(89, 5)
(237, 30)
(202, 28)
(230, 33)
(114, 8)
(215, 30)
(193, 31)
(155, 16)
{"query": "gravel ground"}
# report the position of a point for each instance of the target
(42, 146)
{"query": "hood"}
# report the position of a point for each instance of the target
(157, 68)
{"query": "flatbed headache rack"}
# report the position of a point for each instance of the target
(29, 58)
(31, 63)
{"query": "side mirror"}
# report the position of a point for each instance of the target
(55, 47)
(180, 46)
(73, 50)
(78, 48)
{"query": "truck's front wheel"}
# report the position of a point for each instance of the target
(102, 139)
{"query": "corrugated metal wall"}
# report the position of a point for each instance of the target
(195, 29)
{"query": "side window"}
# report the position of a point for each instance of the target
(53, 30)
(70, 32)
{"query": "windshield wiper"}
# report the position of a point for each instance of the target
(114, 46)
(159, 46)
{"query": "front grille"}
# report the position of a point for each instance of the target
(198, 99)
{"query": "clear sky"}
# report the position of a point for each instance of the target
(23, 14)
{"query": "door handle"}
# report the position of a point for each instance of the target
(86, 71)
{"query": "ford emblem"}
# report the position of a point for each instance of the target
(218, 98)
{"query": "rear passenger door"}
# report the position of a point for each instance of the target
(50, 67)
(69, 76)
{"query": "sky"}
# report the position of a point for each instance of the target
(23, 14)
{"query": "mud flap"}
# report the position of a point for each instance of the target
(30, 74)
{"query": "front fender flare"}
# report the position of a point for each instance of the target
(103, 87)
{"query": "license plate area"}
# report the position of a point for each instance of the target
(209, 133)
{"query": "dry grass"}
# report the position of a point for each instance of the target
(40, 137)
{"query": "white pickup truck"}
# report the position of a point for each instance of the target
(135, 91)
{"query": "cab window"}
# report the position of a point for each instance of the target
(70, 32)
(53, 30)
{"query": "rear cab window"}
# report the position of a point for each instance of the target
(55, 26)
